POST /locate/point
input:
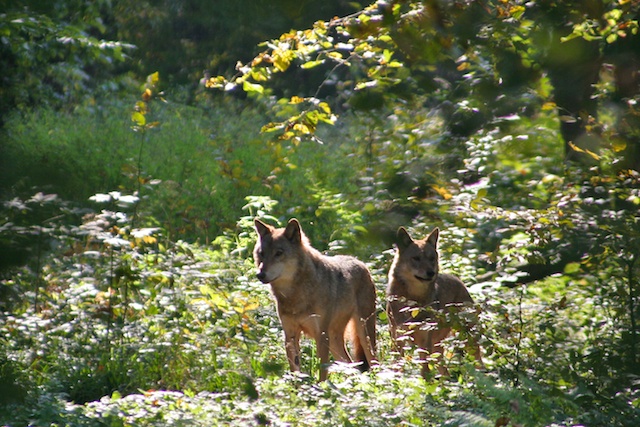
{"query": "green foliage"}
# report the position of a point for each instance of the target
(478, 62)
(69, 62)
(137, 303)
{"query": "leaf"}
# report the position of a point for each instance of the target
(281, 60)
(311, 64)
(153, 79)
(272, 127)
(324, 107)
(572, 267)
(580, 150)
(618, 145)
(138, 118)
(365, 85)
(442, 192)
(252, 87)
(302, 128)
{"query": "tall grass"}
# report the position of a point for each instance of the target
(202, 163)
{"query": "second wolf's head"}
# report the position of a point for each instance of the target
(277, 249)
(417, 259)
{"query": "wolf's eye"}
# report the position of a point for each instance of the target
(278, 252)
(416, 258)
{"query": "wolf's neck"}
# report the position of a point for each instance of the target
(419, 291)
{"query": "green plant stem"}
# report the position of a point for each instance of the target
(38, 272)
(138, 180)
(516, 381)
(632, 316)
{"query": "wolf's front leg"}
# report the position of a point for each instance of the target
(292, 347)
(323, 353)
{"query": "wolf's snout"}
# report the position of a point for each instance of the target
(426, 276)
(262, 276)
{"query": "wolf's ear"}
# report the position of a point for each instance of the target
(293, 231)
(403, 238)
(262, 228)
(433, 237)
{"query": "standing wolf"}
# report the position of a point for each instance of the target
(327, 298)
(416, 289)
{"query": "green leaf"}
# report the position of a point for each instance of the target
(272, 127)
(572, 267)
(252, 87)
(311, 64)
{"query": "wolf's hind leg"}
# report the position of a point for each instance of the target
(337, 347)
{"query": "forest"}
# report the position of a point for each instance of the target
(140, 141)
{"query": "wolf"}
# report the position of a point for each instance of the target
(416, 292)
(329, 298)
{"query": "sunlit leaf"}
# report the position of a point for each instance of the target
(584, 151)
(272, 127)
(138, 118)
(252, 87)
(311, 64)
(281, 60)
(153, 78)
(618, 145)
(300, 127)
(572, 267)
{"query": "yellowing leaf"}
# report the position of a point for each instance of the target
(325, 107)
(300, 127)
(152, 79)
(547, 106)
(149, 239)
(139, 118)
(442, 192)
(619, 145)
(281, 59)
(260, 75)
(272, 127)
(580, 150)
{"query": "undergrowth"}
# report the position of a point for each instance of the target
(137, 303)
